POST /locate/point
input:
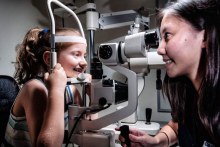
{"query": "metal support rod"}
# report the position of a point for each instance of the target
(84, 94)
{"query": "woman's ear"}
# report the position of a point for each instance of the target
(46, 58)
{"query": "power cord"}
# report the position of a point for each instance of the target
(81, 115)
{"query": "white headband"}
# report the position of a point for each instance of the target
(77, 39)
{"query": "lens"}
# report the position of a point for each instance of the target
(105, 51)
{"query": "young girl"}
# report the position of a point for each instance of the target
(190, 47)
(37, 116)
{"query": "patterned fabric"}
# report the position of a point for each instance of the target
(68, 96)
(17, 132)
(69, 100)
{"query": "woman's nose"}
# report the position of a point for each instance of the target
(161, 48)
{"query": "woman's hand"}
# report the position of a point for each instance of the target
(138, 138)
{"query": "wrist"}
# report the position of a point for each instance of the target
(168, 140)
(162, 139)
(56, 93)
(56, 89)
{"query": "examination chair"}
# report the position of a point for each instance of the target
(8, 92)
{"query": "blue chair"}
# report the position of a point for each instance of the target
(8, 92)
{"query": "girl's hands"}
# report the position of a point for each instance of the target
(56, 79)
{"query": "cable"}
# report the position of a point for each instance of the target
(74, 126)
(81, 115)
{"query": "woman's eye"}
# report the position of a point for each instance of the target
(166, 36)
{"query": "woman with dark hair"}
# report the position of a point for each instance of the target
(190, 47)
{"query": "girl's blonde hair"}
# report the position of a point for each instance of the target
(29, 59)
